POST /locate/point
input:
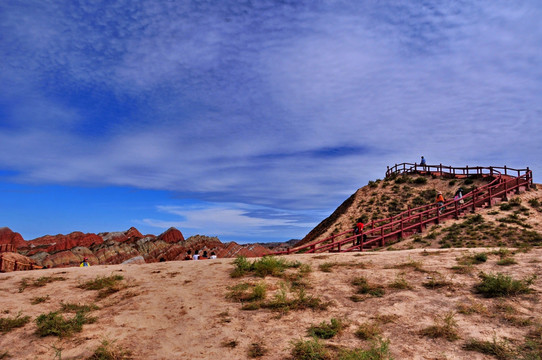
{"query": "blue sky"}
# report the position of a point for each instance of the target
(250, 120)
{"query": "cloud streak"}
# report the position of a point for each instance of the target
(291, 106)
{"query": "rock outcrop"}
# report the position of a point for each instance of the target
(9, 237)
(10, 261)
(55, 243)
(171, 236)
(123, 246)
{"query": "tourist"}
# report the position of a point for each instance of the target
(85, 262)
(196, 255)
(204, 256)
(422, 163)
(458, 196)
(188, 255)
(213, 255)
(440, 202)
(358, 230)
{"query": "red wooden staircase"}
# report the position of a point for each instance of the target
(505, 181)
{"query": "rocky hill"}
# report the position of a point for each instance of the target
(117, 247)
(504, 223)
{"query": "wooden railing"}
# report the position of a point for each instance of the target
(380, 232)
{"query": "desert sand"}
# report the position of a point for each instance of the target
(179, 309)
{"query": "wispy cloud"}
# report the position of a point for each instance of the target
(284, 105)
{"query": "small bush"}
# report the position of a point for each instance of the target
(10, 323)
(499, 285)
(39, 282)
(109, 351)
(368, 331)
(325, 330)
(54, 323)
(101, 282)
(246, 292)
(420, 180)
(473, 259)
(415, 265)
(507, 261)
(327, 266)
(379, 350)
(39, 300)
(472, 308)
(363, 287)
(436, 282)
(242, 266)
(499, 349)
(534, 203)
(400, 283)
(309, 350)
(229, 343)
(75, 308)
(256, 350)
(505, 206)
(445, 327)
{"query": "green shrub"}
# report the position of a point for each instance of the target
(39, 282)
(379, 350)
(499, 349)
(39, 300)
(499, 285)
(534, 203)
(368, 330)
(363, 287)
(420, 180)
(75, 308)
(55, 324)
(9, 323)
(507, 261)
(256, 350)
(505, 206)
(108, 351)
(400, 283)
(101, 282)
(445, 327)
(327, 266)
(309, 350)
(246, 292)
(242, 266)
(325, 330)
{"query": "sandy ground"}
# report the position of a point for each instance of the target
(179, 310)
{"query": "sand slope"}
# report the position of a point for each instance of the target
(179, 310)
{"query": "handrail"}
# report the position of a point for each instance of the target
(422, 215)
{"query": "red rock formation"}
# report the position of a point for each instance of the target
(12, 238)
(233, 249)
(130, 234)
(171, 236)
(10, 261)
(53, 243)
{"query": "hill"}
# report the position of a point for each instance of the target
(505, 223)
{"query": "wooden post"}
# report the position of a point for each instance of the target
(517, 185)
(505, 173)
(489, 190)
(440, 169)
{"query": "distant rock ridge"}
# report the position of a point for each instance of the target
(12, 238)
(118, 247)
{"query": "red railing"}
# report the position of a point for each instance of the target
(414, 220)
